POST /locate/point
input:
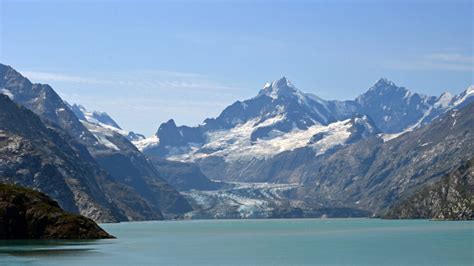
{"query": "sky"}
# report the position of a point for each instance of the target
(144, 62)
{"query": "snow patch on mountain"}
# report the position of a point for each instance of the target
(444, 100)
(235, 144)
(149, 142)
(102, 134)
(7, 93)
(103, 120)
(469, 92)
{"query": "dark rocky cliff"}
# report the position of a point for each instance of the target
(28, 214)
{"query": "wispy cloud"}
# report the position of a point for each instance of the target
(436, 61)
(41, 76)
(140, 79)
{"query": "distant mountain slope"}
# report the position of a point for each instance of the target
(104, 120)
(113, 152)
(94, 116)
(183, 176)
(450, 198)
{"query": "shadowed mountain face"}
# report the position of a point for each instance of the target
(141, 192)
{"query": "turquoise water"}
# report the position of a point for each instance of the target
(259, 242)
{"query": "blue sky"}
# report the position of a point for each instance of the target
(144, 62)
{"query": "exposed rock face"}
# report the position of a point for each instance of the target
(451, 198)
(129, 181)
(44, 101)
(47, 159)
(28, 214)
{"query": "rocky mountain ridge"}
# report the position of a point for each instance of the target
(140, 193)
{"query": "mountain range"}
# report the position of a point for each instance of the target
(358, 153)
(282, 153)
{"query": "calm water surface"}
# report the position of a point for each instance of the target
(259, 242)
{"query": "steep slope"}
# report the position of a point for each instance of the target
(43, 101)
(28, 214)
(450, 198)
(114, 153)
(46, 159)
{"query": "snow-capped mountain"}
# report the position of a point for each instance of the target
(279, 100)
(182, 176)
(280, 115)
(237, 143)
(103, 120)
(94, 116)
(395, 109)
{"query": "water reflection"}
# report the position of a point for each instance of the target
(41, 248)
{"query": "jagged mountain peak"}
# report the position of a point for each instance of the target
(171, 122)
(280, 87)
(383, 82)
(384, 86)
(444, 100)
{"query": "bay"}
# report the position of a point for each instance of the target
(259, 242)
